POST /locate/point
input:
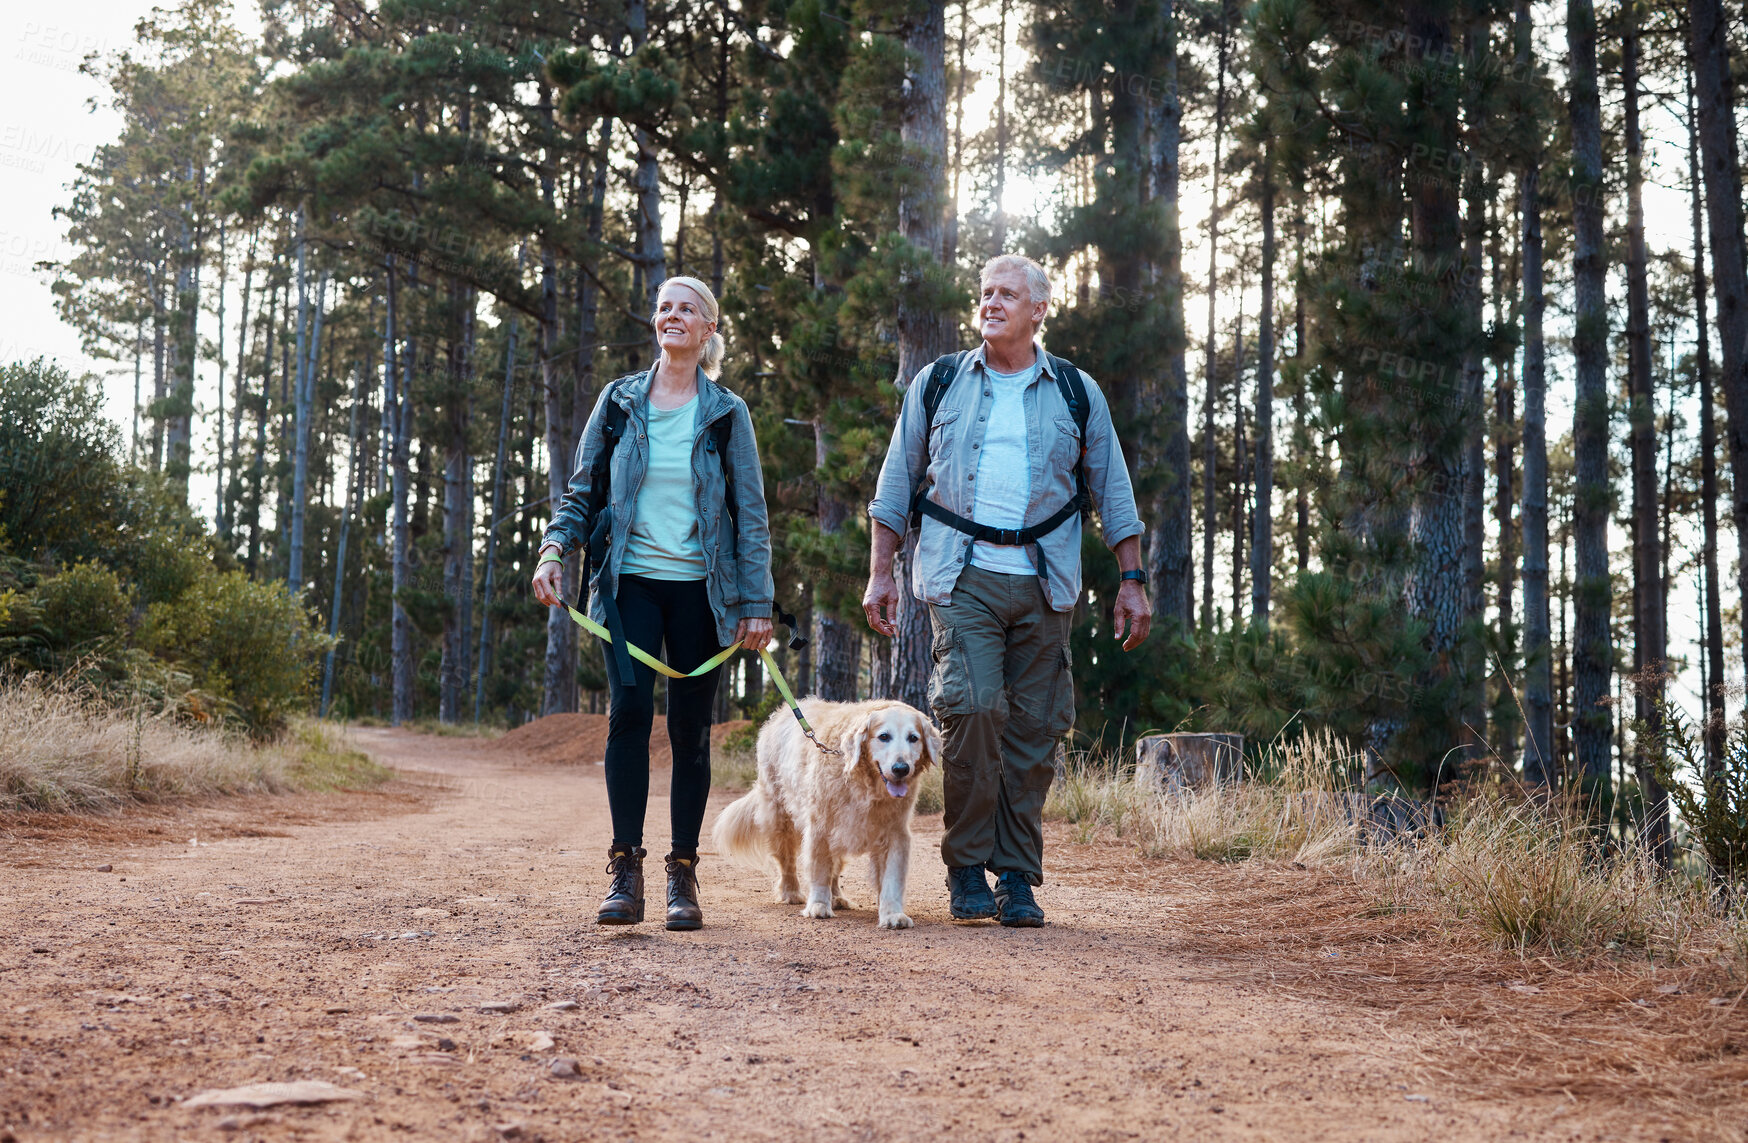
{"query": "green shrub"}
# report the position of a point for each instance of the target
(167, 562)
(83, 605)
(250, 643)
(57, 459)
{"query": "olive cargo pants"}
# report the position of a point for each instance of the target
(1002, 693)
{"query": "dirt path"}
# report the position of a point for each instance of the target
(307, 952)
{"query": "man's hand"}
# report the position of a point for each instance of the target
(880, 603)
(753, 634)
(1133, 616)
(549, 583)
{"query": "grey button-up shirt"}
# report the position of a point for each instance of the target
(945, 452)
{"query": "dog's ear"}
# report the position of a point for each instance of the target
(854, 744)
(932, 744)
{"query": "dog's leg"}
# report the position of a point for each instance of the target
(839, 901)
(821, 868)
(785, 844)
(896, 867)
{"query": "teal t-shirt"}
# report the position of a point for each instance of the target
(663, 542)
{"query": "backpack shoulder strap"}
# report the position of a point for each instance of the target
(720, 430)
(1073, 387)
(946, 368)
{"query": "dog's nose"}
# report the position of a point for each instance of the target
(900, 769)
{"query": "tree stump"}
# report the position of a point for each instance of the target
(1171, 762)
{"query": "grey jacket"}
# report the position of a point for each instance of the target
(946, 451)
(737, 561)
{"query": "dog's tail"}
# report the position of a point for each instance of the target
(738, 833)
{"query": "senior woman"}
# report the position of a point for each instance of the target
(689, 565)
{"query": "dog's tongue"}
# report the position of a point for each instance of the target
(897, 789)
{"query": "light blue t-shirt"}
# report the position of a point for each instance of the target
(1004, 473)
(663, 541)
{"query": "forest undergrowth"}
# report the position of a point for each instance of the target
(68, 750)
(1525, 876)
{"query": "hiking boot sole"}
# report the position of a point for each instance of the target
(1023, 922)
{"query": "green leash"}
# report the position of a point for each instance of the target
(709, 665)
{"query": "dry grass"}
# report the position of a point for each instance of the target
(1532, 878)
(64, 751)
(1528, 878)
(1299, 814)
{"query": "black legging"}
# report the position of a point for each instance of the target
(677, 615)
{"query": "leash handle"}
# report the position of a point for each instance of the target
(711, 664)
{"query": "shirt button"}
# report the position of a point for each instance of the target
(974, 446)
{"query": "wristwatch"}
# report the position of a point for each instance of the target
(1137, 575)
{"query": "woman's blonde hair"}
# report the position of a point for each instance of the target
(714, 346)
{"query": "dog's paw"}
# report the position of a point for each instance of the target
(895, 921)
(842, 902)
(820, 909)
(789, 896)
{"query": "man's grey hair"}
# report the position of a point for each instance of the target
(1037, 281)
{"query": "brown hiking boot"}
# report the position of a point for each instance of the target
(683, 911)
(624, 903)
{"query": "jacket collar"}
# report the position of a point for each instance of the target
(633, 395)
(979, 359)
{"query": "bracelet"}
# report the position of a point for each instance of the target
(549, 557)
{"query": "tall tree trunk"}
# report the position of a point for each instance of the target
(559, 685)
(646, 183)
(1650, 644)
(1262, 546)
(1301, 433)
(923, 333)
(184, 358)
(1507, 310)
(346, 510)
(397, 379)
(454, 671)
(1592, 657)
(1708, 453)
(1436, 588)
(1720, 164)
(1474, 680)
(160, 353)
(231, 493)
(1000, 235)
(305, 398)
(1169, 546)
(950, 239)
(258, 469)
(483, 659)
(1210, 458)
(218, 503)
(1539, 767)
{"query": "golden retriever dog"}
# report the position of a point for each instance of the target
(826, 808)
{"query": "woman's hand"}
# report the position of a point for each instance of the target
(549, 583)
(754, 634)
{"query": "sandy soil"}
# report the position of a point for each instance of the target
(304, 937)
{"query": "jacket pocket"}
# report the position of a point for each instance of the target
(942, 431)
(1065, 444)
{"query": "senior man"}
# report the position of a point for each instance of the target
(994, 459)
